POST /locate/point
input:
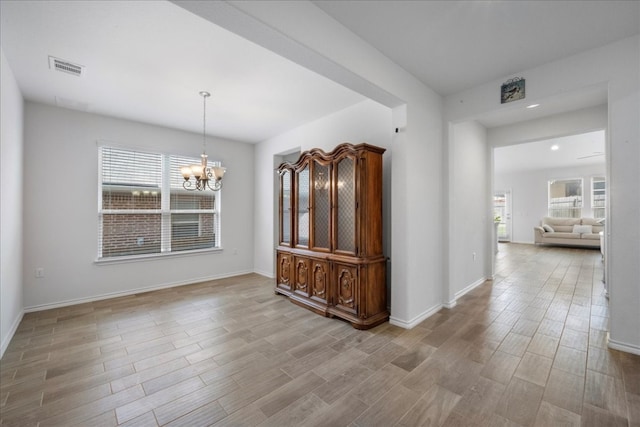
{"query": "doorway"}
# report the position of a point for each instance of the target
(502, 214)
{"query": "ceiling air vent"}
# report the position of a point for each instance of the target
(65, 66)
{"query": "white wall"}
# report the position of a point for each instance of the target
(529, 195)
(60, 208)
(303, 33)
(571, 123)
(469, 221)
(618, 66)
(367, 122)
(11, 186)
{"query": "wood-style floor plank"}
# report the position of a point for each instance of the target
(526, 349)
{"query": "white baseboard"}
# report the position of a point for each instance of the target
(270, 274)
(12, 332)
(430, 312)
(416, 320)
(471, 287)
(449, 305)
(459, 294)
(75, 301)
(617, 345)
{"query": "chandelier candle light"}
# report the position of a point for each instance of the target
(205, 176)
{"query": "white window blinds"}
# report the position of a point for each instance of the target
(144, 210)
(193, 213)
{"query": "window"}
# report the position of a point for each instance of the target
(502, 214)
(598, 192)
(144, 210)
(565, 198)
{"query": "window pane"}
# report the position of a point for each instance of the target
(193, 217)
(500, 214)
(130, 234)
(192, 231)
(565, 198)
(131, 168)
(130, 179)
(598, 197)
(196, 200)
(122, 197)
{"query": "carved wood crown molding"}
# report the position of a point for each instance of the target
(318, 153)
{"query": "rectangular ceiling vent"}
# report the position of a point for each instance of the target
(65, 66)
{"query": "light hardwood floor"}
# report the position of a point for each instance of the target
(528, 349)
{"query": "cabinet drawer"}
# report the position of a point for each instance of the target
(346, 287)
(301, 276)
(285, 269)
(319, 278)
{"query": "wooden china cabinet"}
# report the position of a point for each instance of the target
(329, 256)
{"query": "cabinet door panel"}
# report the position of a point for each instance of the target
(302, 206)
(284, 270)
(345, 222)
(301, 282)
(319, 280)
(285, 207)
(346, 287)
(321, 206)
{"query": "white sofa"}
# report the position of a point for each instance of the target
(583, 232)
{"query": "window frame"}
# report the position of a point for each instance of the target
(581, 196)
(602, 192)
(165, 211)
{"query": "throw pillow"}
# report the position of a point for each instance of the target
(583, 229)
(548, 228)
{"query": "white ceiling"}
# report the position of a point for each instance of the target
(147, 60)
(456, 45)
(576, 150)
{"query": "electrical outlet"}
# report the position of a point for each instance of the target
(474, 256)
(39, 272)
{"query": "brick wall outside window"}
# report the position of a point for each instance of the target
(130, 234)
(132, 218)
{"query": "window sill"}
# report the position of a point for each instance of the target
(154, 257)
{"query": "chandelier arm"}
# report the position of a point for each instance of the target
(214, 184)
(187, 185)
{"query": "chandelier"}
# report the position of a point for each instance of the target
(204, 176)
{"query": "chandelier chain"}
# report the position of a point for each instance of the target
(204, 176)
(205, 95)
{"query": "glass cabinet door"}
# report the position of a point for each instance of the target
(321, 208)
(302, 206)
(345, 205)
(285, 207)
